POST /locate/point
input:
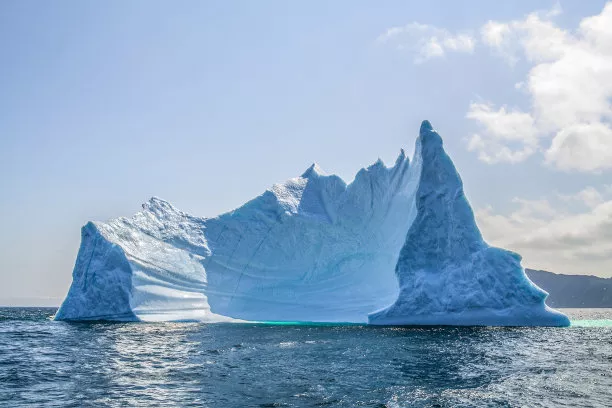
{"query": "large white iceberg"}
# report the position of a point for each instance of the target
(312, 249)
(448, 275)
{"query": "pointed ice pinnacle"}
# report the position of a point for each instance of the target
(425, 127)
(313, 170)
(448, 274)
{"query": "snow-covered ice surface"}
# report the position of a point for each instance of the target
(309, 249)
(312, 249)
(448, 275)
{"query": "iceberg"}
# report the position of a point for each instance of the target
(447, 273)
(310, 249)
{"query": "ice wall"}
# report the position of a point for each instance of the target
(310, 249)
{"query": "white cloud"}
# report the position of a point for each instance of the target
(495, 34)
(589, 196)
(499, 36)
(582, 146)
(570, 86)
(509, 135)
(426, 41)
(550, 236)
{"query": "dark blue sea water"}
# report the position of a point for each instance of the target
(47, 363)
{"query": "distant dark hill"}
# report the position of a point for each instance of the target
(573, 290)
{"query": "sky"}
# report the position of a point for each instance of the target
(207, 104)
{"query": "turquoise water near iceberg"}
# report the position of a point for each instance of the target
(49, 363)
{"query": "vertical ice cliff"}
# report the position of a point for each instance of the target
(101, 281)
(148, 267)
(447, 273)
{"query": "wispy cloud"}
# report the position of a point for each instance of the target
(426, 41)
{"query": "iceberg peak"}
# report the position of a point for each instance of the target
(378, 164)
(425, 127)
(313, 171)
(159, 206)
(429, 137)
(400, 158)
(159, 202)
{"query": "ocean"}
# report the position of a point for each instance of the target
(44, 363)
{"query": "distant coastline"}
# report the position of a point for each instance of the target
(575, 291)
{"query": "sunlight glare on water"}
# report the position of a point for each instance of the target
(48, 363)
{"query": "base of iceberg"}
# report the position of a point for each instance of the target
(312, 249)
